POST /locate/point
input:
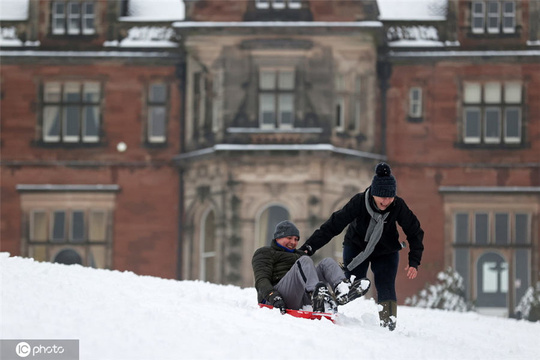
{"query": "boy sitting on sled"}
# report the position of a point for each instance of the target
(287, 278)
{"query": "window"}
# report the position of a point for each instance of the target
(276, 98)
(278, 4)
(208, 248)
(491, 228)
(217, 100)
(492, 113)
(68, 227)
(357, 120)
(493, 245)
(71, 112)
(415, 102)
(486, 16)
(157, 113)
(73, 17)
(267, 222)
(339, 115)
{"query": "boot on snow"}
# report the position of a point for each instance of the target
(388, 314)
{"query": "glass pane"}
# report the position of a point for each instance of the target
(267, 80)
(51, 123)
(157, 123)
(461, 263)
(267, 111)
(481, 230)
(493, 125)
(58, 226)
(522, 277)
(209, 233)
(501, 229)
(72, 92)
(158, 93)
(286, 80)
(210, 269)
(522, 229)
(72, 123)
(91, 123)
(512, 93)
(77, 226)
(97, 257)
(478, 8)
(38, 252)
(472, 125)
(74, 18)
(513, 124)
(492, 93)
(462, 228)
(473, 93)
(52, 92)
(286, 109)
(38, 226)
(495, 277)
(58, 8)
(68, 257)
(97, 226)
(91, 92)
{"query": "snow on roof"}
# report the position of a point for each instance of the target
(13, 10)
(262, 24)
(154, 10)
(410, 10)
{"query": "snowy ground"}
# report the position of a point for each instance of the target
(119, 315)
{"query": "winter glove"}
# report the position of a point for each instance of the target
(275, 299)
(307, 249)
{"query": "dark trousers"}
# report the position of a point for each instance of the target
(384, 269)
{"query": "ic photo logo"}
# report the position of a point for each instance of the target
(23, 349)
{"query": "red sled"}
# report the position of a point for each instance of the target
(306, 314)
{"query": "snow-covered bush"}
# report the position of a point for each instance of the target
(447, 294)
(529, 305)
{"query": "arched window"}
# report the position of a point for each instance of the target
(267, 222)
(208, 248)
(68, 257)
(492, 280)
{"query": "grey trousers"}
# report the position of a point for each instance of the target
(302, 278)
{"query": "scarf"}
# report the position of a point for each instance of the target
(373, 234)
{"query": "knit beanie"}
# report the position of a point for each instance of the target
(286, 228)
(383, 183)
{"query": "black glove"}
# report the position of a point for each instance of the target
(307, 249)
(275, 299)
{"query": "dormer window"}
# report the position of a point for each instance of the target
(73, 18)
(493, 17)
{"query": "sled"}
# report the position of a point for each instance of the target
(306, 314)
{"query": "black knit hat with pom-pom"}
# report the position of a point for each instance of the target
(383, 183)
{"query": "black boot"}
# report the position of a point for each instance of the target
(321, 299)
(388, 315)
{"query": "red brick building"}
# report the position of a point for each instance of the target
(89, 127)
(155, 141)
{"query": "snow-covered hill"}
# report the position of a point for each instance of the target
(119, 315)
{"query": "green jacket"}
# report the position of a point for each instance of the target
(270, 264)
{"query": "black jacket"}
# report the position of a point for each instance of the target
(270, 264)
(355, 214)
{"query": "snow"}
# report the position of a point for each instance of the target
(13, 10)
(120, 315)
(155, 10)
(416, 10)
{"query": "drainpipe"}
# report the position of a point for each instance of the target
(181, 76)
(384, 71)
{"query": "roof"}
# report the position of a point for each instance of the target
(154, 10)
(412, 10)
(13, 10)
